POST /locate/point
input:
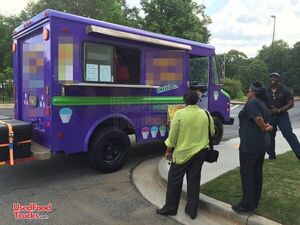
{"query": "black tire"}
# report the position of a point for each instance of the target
(109, 149)
(217, 137)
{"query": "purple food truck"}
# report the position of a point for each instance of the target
(85, 85)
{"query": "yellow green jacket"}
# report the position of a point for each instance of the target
(188, 133)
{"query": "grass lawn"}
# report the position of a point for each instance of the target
(281, 189)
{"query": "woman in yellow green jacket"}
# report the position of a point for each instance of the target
(187, 148)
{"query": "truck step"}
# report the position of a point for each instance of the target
(40, 152)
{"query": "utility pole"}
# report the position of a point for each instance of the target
(272, 56)
(224, 66)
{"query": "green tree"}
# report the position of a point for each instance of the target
(7, 25)
(107, 10)
(233, 60)
(2, 77)
(278, 60)
(257, 70)
(5, 43)
(184, 19)
(8, 72)
(132, 16)
(291, 77)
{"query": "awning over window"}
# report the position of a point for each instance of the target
(135, 37)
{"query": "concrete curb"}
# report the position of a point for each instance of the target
(6, 106)
(218, 207)
(235, 102)
(224, 209)
(149, 184)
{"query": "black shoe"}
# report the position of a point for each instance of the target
(298, 156)
(165, 212)
(192, 216)
(241, 210)
(272, 157)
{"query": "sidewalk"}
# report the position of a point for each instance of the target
(150, 178)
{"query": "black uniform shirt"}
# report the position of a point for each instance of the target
(279, 98)
(253, 139)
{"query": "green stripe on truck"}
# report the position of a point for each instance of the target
(79, 101)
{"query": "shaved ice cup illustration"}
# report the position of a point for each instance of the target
(154, 131)
(145, 132)
(162, 130)
(65, 114)
(216, 95)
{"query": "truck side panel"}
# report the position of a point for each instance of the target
(75, 121)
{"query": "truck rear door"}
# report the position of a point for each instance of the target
(33, 91)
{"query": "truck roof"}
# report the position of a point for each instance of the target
(46, 14)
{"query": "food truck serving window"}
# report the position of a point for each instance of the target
(98, 62)
(111, 64)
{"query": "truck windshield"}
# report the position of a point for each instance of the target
(199, 70)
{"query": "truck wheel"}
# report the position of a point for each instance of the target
(217, 137)
(109, 149)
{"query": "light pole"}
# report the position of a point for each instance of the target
(272, 59)
(224, 67)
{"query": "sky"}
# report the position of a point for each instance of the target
(243, 25)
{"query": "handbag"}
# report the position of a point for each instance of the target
(212, 155)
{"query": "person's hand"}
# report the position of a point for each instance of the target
(274, 111)
(169, 154)
(268, 127)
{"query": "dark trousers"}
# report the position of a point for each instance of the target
(192, 168)
(282, 120)
(251, 170)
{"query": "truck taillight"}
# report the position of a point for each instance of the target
(47, 90)
(228, 106)
(47, 111)
(60, 135)
(47, 99)
(48, 124)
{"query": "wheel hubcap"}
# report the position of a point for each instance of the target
(112, 152)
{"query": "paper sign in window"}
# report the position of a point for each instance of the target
(92, 72)
(105, 73)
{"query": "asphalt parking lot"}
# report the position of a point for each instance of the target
(78, 194)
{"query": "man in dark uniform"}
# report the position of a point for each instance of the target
(280, 100)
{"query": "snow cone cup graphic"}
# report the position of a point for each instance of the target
(154, 131)
(65, 115)
(216, 95)
(145, 132)
(162, 130)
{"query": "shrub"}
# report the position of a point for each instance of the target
(233, 88)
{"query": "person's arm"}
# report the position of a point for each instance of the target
(212, 125)
(173, 136)
(289, 105)
(265, 127)
(254, 113)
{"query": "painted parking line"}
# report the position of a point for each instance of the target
(235, 106)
